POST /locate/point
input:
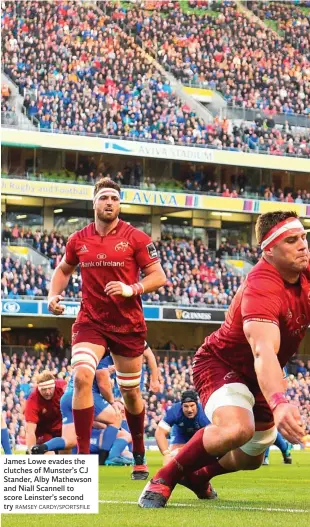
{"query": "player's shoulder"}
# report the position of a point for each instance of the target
(133, 234)
(85, 232)
(60, 384)
(33, 397)
(175, 409)
(265, 276)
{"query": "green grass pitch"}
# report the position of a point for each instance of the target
(277, 495)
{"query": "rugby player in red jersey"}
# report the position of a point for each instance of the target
(111, 254)
(42, 410)
(238, 369)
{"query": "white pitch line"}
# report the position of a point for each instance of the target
(237, 507)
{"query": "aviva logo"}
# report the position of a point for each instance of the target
(108, 145)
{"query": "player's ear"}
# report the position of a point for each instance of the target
(269, 252)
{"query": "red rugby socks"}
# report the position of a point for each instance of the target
(136, 427)
(83, 422)
(193, 456)
(203, 475)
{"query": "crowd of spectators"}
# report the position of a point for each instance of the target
(229, 52)
(175, 376)
(194, 275)
(89, 76)
(81, 73)
(291, 21)
(238, 188)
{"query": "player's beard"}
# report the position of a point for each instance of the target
(107, 218)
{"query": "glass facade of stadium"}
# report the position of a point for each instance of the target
(229, 224)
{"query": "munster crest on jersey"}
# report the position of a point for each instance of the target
(122, 246)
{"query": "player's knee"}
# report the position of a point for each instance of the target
(239, 434)
(253, 463)
(131, 393)
(116, 420)
(83, 379)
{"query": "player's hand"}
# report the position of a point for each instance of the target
(117, 407)
(288, 422)
(167, 459)
(54, 306)
(154, 385)
(118, 288)
(111, 369)
(169, 455)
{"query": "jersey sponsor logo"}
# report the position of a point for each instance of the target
(151, 249)
(82, 250)
(102, 263)
(122, 246)
(101, 256)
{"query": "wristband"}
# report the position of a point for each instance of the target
(276, 399)
(165, 452)
(137, 289)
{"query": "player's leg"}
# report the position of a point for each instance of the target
(118, 456)
(128, 374)
(248, 457)
(5, 438)
(230, 410)
(285, 448)
(106, 414)
(266, 456)
(85, 359)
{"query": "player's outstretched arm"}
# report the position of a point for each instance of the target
(152, 364)
(264, 339)
(59, 282)
(105, 385)
(161, 436)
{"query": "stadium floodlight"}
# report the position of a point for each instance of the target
(21, 216)
(73, 220)
(163, 218)
(57, 211)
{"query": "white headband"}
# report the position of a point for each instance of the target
(282, 230)
(46, 384)
(106, 192)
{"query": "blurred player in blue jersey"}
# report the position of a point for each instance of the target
(5, 438)
(285, 448)
(106, 412)
(182, 421)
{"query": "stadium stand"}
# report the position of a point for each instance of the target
(77, 78)
(194, 276)
(225, 50)
(175, 376)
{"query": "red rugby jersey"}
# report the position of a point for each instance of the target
(118, 256)
(263, 296)
(45, 414)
